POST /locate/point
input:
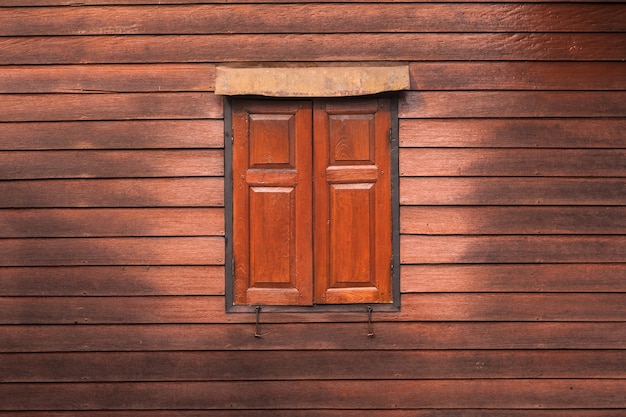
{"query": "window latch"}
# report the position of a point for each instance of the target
(257, 330)
(370, 325)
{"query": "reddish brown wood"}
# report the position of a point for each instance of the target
(323, 47)
(352, 247)
(431, 162)
(65, 107)
(513, 133)
(512, 104)
(112, 251)
(512, 191)
(111, 164)
(310, 365)
(512, 249)
(30, 3)
(427, 76)
(514, 278)
(517, 394)
(328, 413)
(272, 203)
(111, 281)
(430, 220)
(106, 78)
(545, 81)
(139, 134)
(112, 222)
(162, 192)
(416, 307)
(320, 18)
(297, 336)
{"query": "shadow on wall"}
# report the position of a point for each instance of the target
(85, 229)
(517, 221)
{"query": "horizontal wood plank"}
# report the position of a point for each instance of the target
(314, 18)
(513, 133)
(442, 162)
(310, 365)
(135, 134)
(323, 47)
(315, 336)
(112, 251)
(416, 307)
(416, 249)
(111, 164)
(579, 76)
(35, 3)
(429, 220)
(512, 191)
(453, 394)
(115, 222)
(145, 192)
(128, 106)
(425, 76)
(108, 78)
(480, 104)
(327, 413)
(112, 281)
(514, 278)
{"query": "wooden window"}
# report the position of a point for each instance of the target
(312, 202)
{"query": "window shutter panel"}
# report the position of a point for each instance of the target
(352, 194)
(272, 202)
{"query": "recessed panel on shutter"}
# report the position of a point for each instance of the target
(352, 193)
(272, 203)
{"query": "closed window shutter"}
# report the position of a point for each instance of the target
(312, 202)
(352, 193)
(272, 203)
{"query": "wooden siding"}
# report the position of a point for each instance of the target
(512, 192)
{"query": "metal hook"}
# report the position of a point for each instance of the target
(370, 325)
(257, 331)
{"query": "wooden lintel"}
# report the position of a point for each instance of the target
(312, 80)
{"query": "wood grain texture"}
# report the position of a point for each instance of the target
(512, 249)
(429, 220)
(69, 107)
(513, 133)
(322, 47)
(315, 336)
(135, 134)
(35, 3)
(145, 192)
(107, 78)
(512, 191)
(310, 365)
(314, 18)
(112, 251)
(428, 76)
(111, 281)
(328, 413)
(425, 76)
(110, 164)
(572, 307)
(514, 278)
(517, 394)
(112, 275)
(116, 222)
(442, 162)
(479, 104)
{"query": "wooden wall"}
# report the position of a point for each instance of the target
(513, 217)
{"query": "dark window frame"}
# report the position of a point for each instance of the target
(395, 219)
